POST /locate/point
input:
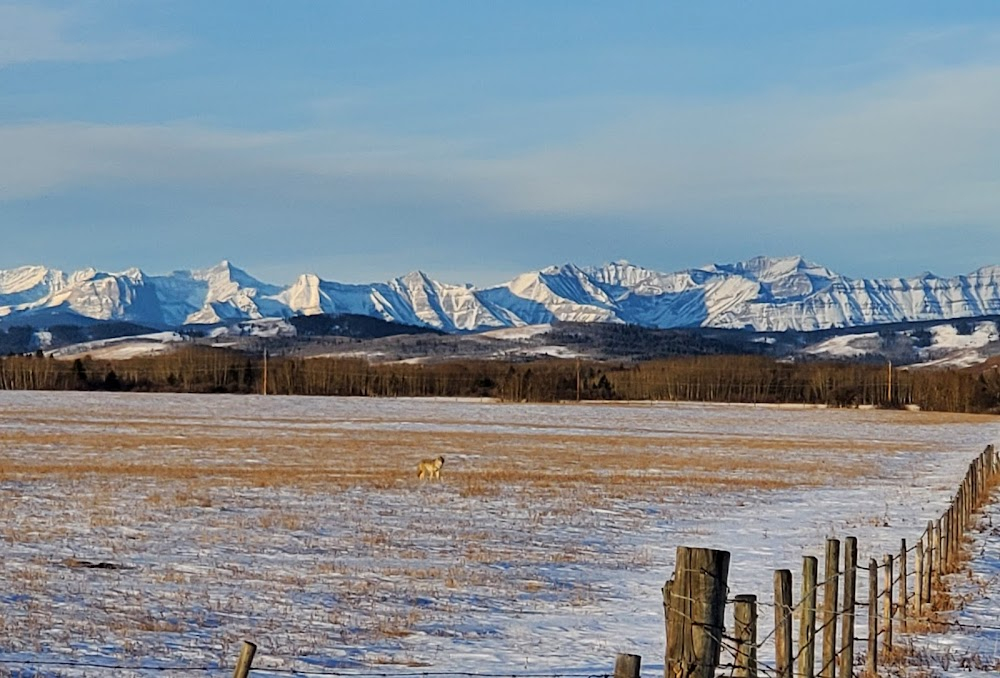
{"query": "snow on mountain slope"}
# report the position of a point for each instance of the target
(444, 307)
(763, 294)
(212, 295)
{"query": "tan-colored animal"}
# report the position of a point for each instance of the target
(430, 469)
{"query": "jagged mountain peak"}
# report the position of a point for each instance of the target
(416, 277)
(225, 270)
(23, 278)
(763, 293)
(623, 273)
(769, 269)
(992, 271)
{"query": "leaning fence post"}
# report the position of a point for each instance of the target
(872, 659)
(830, 586)
(847, 621)
(745, 631)
(245, 660)
(901, 599)
(807, 623)
(627, 665)
(697, 612)
(783, 623)
(887, 604)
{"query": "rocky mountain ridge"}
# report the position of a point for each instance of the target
(762, 294)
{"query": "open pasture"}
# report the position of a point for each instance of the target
(299, 523)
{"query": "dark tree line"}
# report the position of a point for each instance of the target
(718, 378)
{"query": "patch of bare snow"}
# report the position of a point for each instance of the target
(518, 333)
(947, 336)
(122, 348)
(845, 346)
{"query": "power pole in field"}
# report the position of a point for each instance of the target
(577, 380)
(265, 371)
(889, 388)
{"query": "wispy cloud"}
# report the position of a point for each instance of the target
(31, 33)
(919, 149)
(914, 148)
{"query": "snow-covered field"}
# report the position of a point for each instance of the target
(298, 523)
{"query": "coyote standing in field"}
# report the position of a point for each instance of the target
(430, 469)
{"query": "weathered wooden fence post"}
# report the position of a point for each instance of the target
(745, 632)
(928, 563)
(918, 578)
(945, 546)
(246, 660)
(627, 665)
(830, 585)
(807, 622)
(901, 601)
(667, 588)
(952, 535)
(847, 618)
(938, 564)
(887, 604)
(697, 613)
(871, 664)
(783, 623)
(957, 533)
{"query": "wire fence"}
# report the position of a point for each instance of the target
(897, 597)
(31, 666)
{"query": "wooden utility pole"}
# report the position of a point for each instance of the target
(889, 389)
(578, 389)
(265, 371)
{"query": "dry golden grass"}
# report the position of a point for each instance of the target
(324, 520)
(625, 464)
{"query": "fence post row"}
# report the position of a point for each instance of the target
(694, 599)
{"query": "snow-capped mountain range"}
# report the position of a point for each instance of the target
(762, 294)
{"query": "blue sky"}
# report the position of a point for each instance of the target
(472, 140)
